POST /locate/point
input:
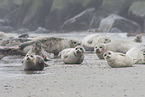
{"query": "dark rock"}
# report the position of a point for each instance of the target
(62, 10)
(79, 22)
(23, 36)
(108, 7)
(120, 23)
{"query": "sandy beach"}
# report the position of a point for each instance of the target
(92, 78)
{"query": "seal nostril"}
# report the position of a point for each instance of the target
(28, 58)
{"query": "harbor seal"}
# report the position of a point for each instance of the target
(72, 55)
(117, 60)
(38, 50)
(138, 38)
(33, 62)
(99, 50)
(52, 44)
(90, 41)
(137, 53)
(121, 46)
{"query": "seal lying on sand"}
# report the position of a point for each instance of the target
(116, 60)
(52, 44)
(121, 46)
(137, 53)
(33, 62)
(90, 41)
(72, 55)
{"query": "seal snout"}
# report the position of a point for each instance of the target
(79, 52)
(28, 58)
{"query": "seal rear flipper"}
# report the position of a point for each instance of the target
(136, 61)
(46, 64)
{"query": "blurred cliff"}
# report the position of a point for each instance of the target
(72, 15)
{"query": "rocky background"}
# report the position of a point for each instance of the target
(72, 15)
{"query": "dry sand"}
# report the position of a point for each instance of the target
(92, 78)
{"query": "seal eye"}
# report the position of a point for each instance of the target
(109, 53)
(105, 54)
(81, 49)
(100, 46)
(106, 39)
(96, 47)
(26, 55)
(31, 55)
(75, 42)
(76, 48)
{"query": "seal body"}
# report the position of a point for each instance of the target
(72, 55)
(117, 60)
(90, 41)
(54, 44)
(121, 46)
(137, 53)
(33, 62)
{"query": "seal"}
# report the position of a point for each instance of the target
(138, 38)
(117, 60)
(33, 62)
(99, 50)
(121, 46)
(38, 50)
(137, 53)
(90, 41)
(52, 44)
(72, 55)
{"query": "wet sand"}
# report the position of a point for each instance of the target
(92, 78)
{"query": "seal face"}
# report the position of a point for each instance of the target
(117, 60)
(33, 62)
(99, 50)
(72, 55)
(138, 38)
(90, 41)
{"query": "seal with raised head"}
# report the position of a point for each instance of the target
(90, 41)
(52, 44)
(72, 55)
(99, 50)
(33, 62)
(137, 53)
(121, 46)
(37, 49)
(117, 60)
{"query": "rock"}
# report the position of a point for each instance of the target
(30, 15)
(110, 7)
(137, 13)
(79, 22)
(120, 23)
(6, 6)
(62, 10)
